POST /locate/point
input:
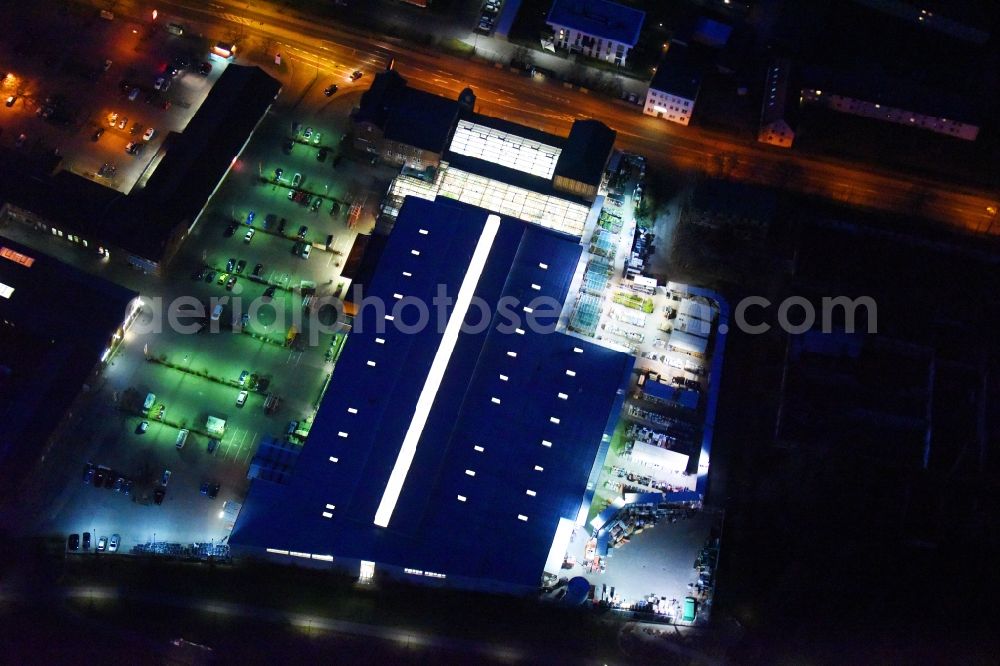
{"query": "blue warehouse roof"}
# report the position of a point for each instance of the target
(599, 18)
(513, 412)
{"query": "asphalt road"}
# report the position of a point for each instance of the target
(551, 107)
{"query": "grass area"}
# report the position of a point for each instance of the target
(457, 47)
(634, 301)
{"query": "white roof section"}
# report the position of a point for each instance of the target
(560, 544)
(505, 149)
(686, 342)
(693, 325)
(650, 454)
(545, 210)
(693, 308)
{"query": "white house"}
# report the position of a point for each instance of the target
(596, 28)
(674, 89)
(775, 128)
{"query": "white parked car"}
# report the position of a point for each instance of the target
(241, 399)
(182, 438)
(113, 543)
(148, 134)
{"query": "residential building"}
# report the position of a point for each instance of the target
(894, 100)
(775, 126)
(674, 89)
(596, 28)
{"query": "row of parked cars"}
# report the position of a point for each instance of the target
(105, 477)
(488, 15)
(103, 543)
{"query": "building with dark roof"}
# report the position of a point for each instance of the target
(403, 125)
(147, 225)
(674, 88)
(580, 168)
(461, 449)
(57, 327)
(596, 28)
(860, 92)
(775, 122)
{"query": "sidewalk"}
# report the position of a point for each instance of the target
(498, 50)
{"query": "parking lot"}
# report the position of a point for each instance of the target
(69, 76)
(196, 375)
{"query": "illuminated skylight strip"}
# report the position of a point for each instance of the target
(435, 375)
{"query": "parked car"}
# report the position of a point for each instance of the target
(73, 542)
(122, 123)
(198, 274)
(296, 180)
(86, 540)
(158, 495)
(210, 275)
(355, 75)
(241, 399)
(243, 377)
(222, 278)
(142, 428)
(212, 443)
(321, 155)
(113, 543)
(230, 230)
(119, 484)
(231, 283)
(99, 477)
(331, 89)
(166, 478)
(88, 472)
(269, 292)
(231, 265)
(282, 223)
(248, 236)
(213, 490)
(204, 68)
(316, 137)
(182, 436)
(98, 134)
(102, 544)
(305, 251)
(303, 230)
(240, 265)
(256, 270)
(129, 484)
(148, 134)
